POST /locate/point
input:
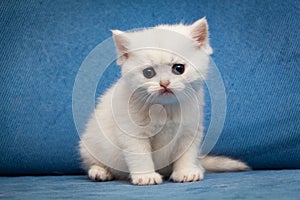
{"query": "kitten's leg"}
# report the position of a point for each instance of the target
(98, 173)
(187, 167)
(138, 157)
(96, 170)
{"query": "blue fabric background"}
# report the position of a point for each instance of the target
(43, 43)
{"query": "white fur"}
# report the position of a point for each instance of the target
(135, 130)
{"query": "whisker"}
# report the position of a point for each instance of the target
(189, 94)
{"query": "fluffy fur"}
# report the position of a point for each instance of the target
(152, 127)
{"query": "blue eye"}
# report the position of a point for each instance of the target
(149, 72)
(178, 69)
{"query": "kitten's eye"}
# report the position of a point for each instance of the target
(149, 72)
(178, 69)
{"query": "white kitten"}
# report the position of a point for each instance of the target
(150, 122)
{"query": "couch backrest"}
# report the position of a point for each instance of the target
(256, 48)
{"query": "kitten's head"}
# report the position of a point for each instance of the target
(166, 61)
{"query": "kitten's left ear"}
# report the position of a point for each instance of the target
(199, 32)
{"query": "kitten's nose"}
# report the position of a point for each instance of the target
(164, 83)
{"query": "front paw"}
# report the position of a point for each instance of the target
(146, 179)
(97, 173)
(187, 174)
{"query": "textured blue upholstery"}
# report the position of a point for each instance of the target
(43, 43)
(247, 185)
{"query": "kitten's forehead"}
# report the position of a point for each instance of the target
(161, 41)
(158, 57)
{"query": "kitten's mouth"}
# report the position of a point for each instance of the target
(166, 91)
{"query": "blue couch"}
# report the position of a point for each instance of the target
(43, 44)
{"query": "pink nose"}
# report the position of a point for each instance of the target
(164, 83)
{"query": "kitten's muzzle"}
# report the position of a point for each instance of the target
(165, 90)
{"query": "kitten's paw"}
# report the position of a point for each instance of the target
(188, 175)
(97, 173)
(146, 179)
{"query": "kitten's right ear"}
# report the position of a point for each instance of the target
(121, 42)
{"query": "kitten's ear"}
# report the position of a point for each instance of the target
(121, 42)
(199, 32)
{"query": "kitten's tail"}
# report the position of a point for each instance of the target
(222, 164)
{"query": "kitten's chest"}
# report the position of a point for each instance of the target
(164, 134)
(163, 120)
(166, 128)
(171, 125)
(166, 124)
